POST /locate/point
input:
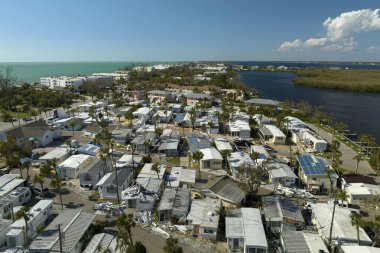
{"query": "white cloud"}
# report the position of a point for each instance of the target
(349, 23)
(295, 45)
(372, 50)
(343, 45)
(313, 42)
(339, 32)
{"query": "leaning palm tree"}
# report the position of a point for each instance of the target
(358, 158)
(171, 246)
(357, 221)
(124, 225)
(56, 183)
(39, 179)
(24, 213)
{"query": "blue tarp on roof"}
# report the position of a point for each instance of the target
(179, 117)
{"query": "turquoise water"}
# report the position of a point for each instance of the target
(32, 71)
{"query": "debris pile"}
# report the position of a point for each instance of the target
(144, 217)
(109, 208)
(290, 192)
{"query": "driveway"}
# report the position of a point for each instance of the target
(347, 154)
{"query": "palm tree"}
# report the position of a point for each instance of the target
(106, 155)
(225, 154)
(171, 246)
(255, 156)
(124, 225)
(336, 195)
(156, 169)
(119, 117)
(26, 165)
(374, 224)
(129, 116)
(210, 125)
(56, 183)
(224, 118)
(358, 158)
(147, 144)
(156, 119)
(39, 179)
(357, 221)
(72, 125)
(197, 156)
(193, 117)
(158, 132)
(24, 213)
(190, 156)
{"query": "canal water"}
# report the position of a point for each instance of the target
(360, 111)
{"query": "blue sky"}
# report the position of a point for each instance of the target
(175, 30)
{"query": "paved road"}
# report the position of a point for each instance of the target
(347, 154)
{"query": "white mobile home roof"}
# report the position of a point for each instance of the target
(104, 179)
(223, 144)
(360, 249)
(205, 212)
(240, 158)
(275, 131)
(142, 110)
(278, 170)
(147, 171)
(55, 154)
(5, 179)
(253, 227)
(313, 137)
(261, 150)
(249, 226)
(239, 125)
(126, 160)
(342, 227)
(9, 187)
(74, 161)
(211, 154)
(35, 210)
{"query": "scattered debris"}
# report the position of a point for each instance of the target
(290, 192)
(161, 232)
(144, 217)
(110, 209)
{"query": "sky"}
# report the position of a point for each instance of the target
(179, 30)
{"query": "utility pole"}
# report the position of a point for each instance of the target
(60, 238)
(332, 222)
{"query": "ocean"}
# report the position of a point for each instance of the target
(31, 72)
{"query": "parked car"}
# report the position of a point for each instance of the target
(38, 191)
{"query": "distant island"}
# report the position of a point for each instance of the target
(335, 78)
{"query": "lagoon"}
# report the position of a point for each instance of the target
(360, 111)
